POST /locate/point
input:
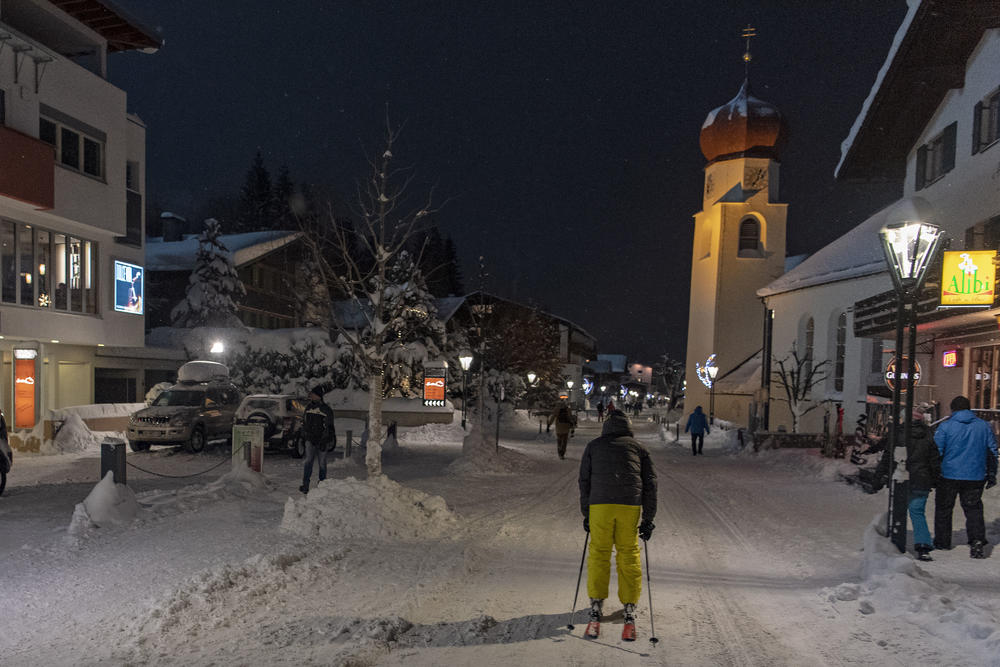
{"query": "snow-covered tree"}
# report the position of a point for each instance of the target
(414, 332)
(668, 374)
(798, 375)
(355, 261)
(518, 340)
(214, 288)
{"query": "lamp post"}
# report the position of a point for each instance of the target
(569, 385)
(712, 370)
(909, 244)
(465, 359)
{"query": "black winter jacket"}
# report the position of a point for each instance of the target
(616, 469)
(923, 461)
(318, 427)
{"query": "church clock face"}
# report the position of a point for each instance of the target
(754, 178)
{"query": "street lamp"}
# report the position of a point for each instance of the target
(465, 359)
(910, 245)
(217, 347)
(531, 378)
(712, 371)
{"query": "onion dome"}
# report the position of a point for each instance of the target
(743, 127)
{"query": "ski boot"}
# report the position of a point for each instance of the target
(976, 549)
(628, 632)
(593, 630)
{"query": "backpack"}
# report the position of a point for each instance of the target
(563, 416)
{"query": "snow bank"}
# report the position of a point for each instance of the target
(432, 433)
(108, 504)
(376, 508)
(98, 410)
(74, 436)
(481, 455)
(896, 588)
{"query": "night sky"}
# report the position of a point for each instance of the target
(563, 134)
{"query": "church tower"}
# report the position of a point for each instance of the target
(739, 247)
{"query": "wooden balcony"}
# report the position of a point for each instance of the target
(26, 169)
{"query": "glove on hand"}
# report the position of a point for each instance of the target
(646, 530)
(991, 481)
(586, 523)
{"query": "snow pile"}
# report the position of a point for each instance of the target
(73, 436)
(108, 504)
(480, 455)
(240, 482)
(895, 587)
(376, 508)
(432, 433)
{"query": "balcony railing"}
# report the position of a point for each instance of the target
(27, 171)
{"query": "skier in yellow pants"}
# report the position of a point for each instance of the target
(617, 489)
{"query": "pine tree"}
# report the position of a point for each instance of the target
(256, 207)
(453, 271)
(214, 288)
(413, 332)
(283, 192)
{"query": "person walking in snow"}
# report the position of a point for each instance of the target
(697, 425)
(600, 411)
(565, 422)
(319, 432)
(968, 459)
(617, 489)
(923, 464)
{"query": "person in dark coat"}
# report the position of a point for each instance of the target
(319, 432)
(923, 465)
(697, 425)
(565, 422)
(617, 489)
(968, 461)
(600, 411)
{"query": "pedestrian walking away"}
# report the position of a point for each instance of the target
(697, 425)
(923, 465)
(617, 489)
(319, 433)
(600, 411)
(565, 422)
(968, 463)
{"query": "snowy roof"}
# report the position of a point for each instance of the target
(857, 253)
(794, 260)
(243, 248)
(892, 117)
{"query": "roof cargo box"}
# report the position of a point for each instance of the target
(202, 371)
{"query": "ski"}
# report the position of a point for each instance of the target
(593, 630)
(628, 632)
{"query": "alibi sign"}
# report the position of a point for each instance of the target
(891, 375)
(968, 278)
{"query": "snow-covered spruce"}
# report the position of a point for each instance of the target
(214, 288)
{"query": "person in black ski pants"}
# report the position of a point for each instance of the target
(697, 424)
(319, 433)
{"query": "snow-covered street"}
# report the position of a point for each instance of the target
(757, 559)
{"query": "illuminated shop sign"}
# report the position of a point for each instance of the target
(434, 386)
(949, 358)
(891, 375)
(128, 288)
(588, 386)
(24, 388)
(968, 278)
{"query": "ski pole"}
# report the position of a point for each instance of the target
(649, 592)
(572, 615)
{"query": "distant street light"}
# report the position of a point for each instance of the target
(465, 359)
(909, 244)
(217, 347)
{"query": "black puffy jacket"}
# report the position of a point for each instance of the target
(923, 462)
(616, 470)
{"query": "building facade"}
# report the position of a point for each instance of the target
(72, 170)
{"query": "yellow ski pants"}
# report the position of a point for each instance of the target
(618, 526)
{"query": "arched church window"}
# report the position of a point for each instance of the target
(749, 238)
(808, 338)
(840, 353)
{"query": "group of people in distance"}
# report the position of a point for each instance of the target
(959, 461)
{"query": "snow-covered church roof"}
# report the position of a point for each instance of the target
(855, 254)
(243, 248)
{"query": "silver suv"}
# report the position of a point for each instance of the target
(196, 410)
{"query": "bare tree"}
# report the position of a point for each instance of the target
(354, 259)
(798, 376)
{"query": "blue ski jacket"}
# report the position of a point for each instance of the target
(697, 423)
(968, 448)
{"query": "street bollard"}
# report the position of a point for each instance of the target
(347, 445)
(113, 459)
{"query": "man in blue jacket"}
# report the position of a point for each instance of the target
(697, 424)
(968, 458)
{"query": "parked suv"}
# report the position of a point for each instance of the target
(196, 410)
(6, 455)
(281, 417)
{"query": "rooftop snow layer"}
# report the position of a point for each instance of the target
(243, 248)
